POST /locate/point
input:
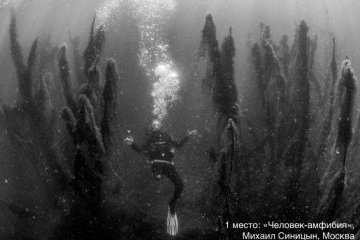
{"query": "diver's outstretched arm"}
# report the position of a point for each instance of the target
(130, 141)
(182, 142)
(185, 139)
(136, 148)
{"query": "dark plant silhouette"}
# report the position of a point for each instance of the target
(221, 83)
(88, 116)
(335, 189)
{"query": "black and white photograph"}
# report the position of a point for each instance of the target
(179, 119)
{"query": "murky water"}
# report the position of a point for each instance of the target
(155, 44)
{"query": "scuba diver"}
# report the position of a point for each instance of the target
(160, 149)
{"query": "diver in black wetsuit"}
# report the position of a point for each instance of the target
(160, 149)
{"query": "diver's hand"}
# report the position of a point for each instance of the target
(193, 133)
(129, 140)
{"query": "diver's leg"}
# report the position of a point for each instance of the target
(157, 171)
(173, 175)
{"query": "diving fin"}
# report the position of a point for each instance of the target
(172, 225)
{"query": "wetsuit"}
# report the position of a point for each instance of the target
(160, 148)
